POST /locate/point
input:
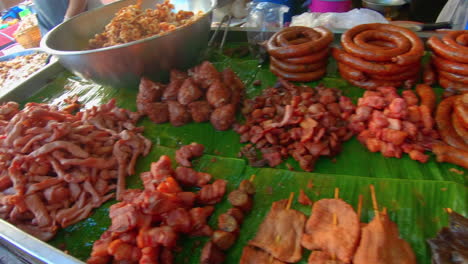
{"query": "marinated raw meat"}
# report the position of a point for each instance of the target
(280, 233)
(223, 117)
(188, 92)
(200, 111)
(178, 114)
(333, 227)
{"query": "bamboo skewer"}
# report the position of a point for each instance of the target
(374, 202)
(337, 193)
(359, 207)
(252, 178)
(291, 196)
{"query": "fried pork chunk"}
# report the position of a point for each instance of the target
(381, 243)
(333, 228)
(320, 257)
(280, 233)
(251, 255)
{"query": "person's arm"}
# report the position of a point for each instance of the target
(74, 8)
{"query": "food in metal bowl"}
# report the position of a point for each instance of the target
(133, 23)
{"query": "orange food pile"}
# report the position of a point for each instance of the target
(133, 23)
(147, 224)
(376, 55)
(450, 59)
(299, 53)
(392, 124)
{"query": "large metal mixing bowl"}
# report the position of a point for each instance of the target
(124, 64)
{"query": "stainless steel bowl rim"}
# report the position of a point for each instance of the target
(49, 50)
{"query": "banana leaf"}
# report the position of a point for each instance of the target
(414, 193)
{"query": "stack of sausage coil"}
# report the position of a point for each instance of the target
(299, 53)
(376, 55)
(451, 59)
(452, 121)
(229, 224)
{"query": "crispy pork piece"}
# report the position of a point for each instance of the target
(200, 110)
(280, 233)
(188, 92)
(212, 193)
(178, 75)
(251, 255)
(178, 114)
(381, 243)
(188, 152)
(223, 117)
(334, 228)
(157, 112)
(205, 74)
(320, 257)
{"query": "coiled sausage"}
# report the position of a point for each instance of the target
(447, 51)
(298, 76)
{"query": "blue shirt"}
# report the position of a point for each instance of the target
(50, 13)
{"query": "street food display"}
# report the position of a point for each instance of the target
(333, 232)
(203, 94)
(57, 166)
(300, 53)
(392, 124)
(379, 55)
(450, 58)
(133, 23)
(449, 246)
(61, 163)
(147, 224)
(298, 121)
(20, 68)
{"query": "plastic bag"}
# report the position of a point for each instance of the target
(266, 17)
(455, 11)
(339, 21)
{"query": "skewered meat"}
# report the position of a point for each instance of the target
(228, 223)
(200, 111)
(321, 257)
(280, 233)
(251, 255)
(381, 243)
(178, 114)
(241, 200)
(333, 227)
(188, 152)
